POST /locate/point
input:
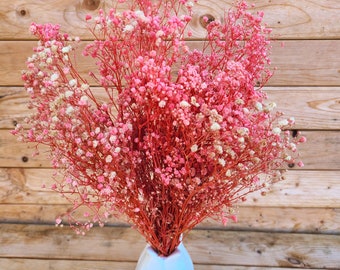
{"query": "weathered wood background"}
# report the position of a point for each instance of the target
(296, 226)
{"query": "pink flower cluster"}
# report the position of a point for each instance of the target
(184, 133)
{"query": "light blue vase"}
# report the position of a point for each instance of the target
(178, 260)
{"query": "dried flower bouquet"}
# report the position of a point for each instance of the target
(184, 133)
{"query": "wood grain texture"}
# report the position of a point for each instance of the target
(306, 62)
(321, 152)
(250, 218)
(289, 19)
(225, 247)
(296, 225)
(298, 63)
(312, 107)
(28, 187)
(33, 264)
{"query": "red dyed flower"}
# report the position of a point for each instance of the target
(183, 134)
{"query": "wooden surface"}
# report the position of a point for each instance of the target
(297, 225)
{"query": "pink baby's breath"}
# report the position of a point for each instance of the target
(182, 135)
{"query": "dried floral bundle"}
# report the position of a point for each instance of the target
(182, 135)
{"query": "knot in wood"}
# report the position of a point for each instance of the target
(22, 11)
(206, 19)
(91, 4)
(296, 262)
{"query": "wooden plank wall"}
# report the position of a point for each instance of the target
(296, 226)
